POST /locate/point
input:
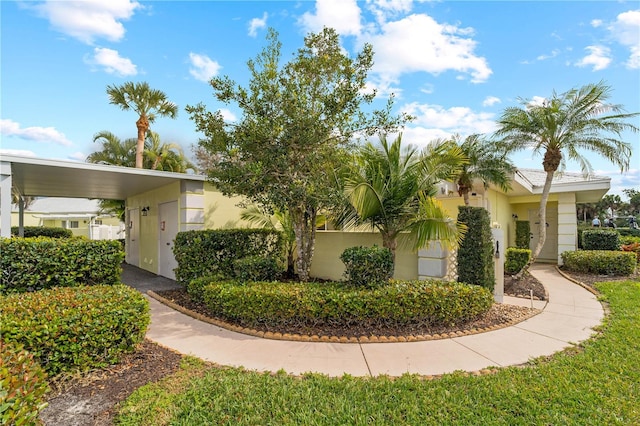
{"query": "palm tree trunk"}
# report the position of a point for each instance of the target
(390, 241)
(465, 196)
(143, 125)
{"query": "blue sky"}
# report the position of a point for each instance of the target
(454, 65)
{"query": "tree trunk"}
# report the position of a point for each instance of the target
(390, 241)
(304, 227)
(143, 125)
(465, 196)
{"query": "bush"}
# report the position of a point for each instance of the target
(195, 288)
(30, 264)
(475, 254)
(367, 266)
(633, 247)
(601, 239)
(41, 231)
(207, 252)
(523, 234)
(69, 329)
(256, 268)
(419, 303)
(628, 239)
(629, 232)
(23, 385)
(516, 259)
(602, 262)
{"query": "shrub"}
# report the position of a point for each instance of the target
(633, 247)
(30, 264)
(523, 234)
(628, 239)
(202, 253)
(69, 329)
(475, 254)
(23, 385)
(603, 262)
(367, 266)
(41, 231)
(195, 288)
(629, 232)
(515, 259)
(429, 303)
(256, 268)
(601, 239)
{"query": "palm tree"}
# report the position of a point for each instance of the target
(486, 163)
(147, 103)
(165, 156)
(392, 189)
(114, 150)
(563, 126)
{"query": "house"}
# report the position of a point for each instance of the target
(80, 215)
(161, 204)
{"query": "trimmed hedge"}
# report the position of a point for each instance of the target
(421, 303)
(75, 328)
(41, 231)
(603, 262)
(475, 254)
(367, 266)
(30, 264)
(601, 239)
(23, 385)
(207, 252)
(515, 259)
(523, 234)
(256, 268)
(629, 232)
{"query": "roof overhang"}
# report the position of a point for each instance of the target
(38, 177)
(589, 190)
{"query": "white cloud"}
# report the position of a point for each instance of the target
(553, 54)
(342, 15)
(422, 136)
(112, 62)
(619, 181)
(448, 121)
(595, 23)
(203, 68)
(38, 134)
(19, 152)
(626, 30)
(490, 101)
(599, 57)
(385, 9)
(89, 20)
(78, 156)
(537, 101)
(228, 116)
(417, 43)
(257, 23)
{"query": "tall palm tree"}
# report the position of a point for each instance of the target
(563, 126)
(147, 103)
(167, 156)
(486, 163)
(392, 189)
(114, 150)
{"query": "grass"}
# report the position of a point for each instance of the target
(595, 384)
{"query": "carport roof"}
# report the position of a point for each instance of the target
(55, 178)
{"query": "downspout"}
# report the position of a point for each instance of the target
(21, 216)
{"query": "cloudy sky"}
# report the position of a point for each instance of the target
(454, 65)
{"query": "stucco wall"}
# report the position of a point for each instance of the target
(222, 212)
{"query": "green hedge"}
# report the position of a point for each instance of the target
(367, 266)
(601, 239)
(427, 303)
(475, 254)
(602, 262)
(256, 268)
(75, 328)
(523, 234)
(629, 232)
(41, 231)
(30, 264)
(515, 259)
(23, 385)
(202, 253)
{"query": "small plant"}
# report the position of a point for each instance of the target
(515, 259)
(256, 268)
(367, 266)
(603, 262)
(601, 239)
(23, 385)
(75, 328)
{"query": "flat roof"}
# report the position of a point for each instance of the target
(39, 177)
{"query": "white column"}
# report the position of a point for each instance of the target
(191, 206)
(5, 199)
(499, 248)
(432, 262)
(567, 224)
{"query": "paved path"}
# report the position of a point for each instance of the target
(567, 318)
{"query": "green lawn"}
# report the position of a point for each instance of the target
(598, 384)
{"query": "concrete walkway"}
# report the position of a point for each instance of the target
(567, 318)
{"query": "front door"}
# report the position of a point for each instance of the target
(133, 240)
(167, 230)
(550, 247)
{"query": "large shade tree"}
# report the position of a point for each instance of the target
(393, 190)
(148, 103)
(298, 119)
(486, 163)
(563, 127)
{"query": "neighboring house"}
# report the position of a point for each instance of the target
(161, 204)
(82, 216)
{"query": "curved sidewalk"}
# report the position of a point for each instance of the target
(568, 318)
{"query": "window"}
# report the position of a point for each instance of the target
(73, 224)
(97, 222)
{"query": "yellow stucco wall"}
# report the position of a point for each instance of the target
(222, 212)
